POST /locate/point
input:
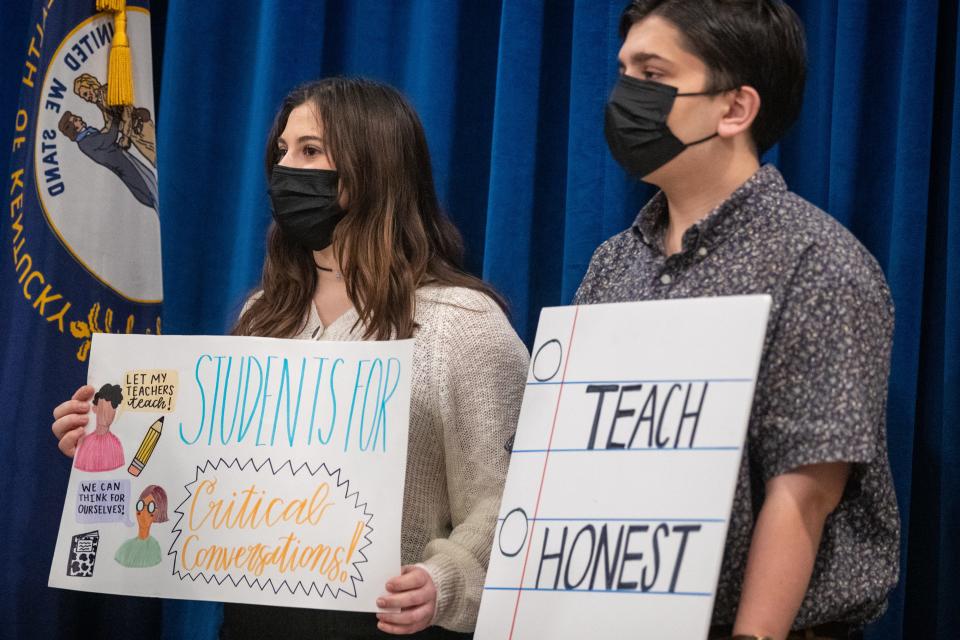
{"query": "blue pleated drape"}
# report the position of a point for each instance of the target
(511, 93)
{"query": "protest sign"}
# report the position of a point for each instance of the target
(623, 470)
(239, 469)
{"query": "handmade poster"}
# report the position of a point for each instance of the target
(239, 469)
(623, 470)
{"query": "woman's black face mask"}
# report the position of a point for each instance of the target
(305, 204)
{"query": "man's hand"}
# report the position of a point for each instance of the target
(784, 546)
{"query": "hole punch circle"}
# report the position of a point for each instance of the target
(513, 532)
(547, 360)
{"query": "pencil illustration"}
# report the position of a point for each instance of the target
(147, 446)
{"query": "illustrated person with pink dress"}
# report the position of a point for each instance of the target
(101, 450)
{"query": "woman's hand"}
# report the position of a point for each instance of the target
(414, 593)
(70, 418)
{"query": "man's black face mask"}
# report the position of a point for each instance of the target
(635, 124)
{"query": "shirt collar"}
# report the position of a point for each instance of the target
(86, 132)
(742, 205)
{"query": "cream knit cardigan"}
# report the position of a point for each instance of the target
(469, 372)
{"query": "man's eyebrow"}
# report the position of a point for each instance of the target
(642, 56)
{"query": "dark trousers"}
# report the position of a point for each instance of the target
(253, 622)
(829, 631)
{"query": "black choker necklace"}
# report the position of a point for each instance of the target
(337, 274)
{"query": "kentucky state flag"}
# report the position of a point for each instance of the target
(81, 255)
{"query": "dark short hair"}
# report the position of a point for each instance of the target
(66, 126)
(756, 43)
(111, 393)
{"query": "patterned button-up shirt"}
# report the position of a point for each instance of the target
(821, 392)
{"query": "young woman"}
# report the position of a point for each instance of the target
(360, 250)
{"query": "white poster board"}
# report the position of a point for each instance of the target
(239, 469)
(623, 470)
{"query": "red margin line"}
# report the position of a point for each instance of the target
(543, 474)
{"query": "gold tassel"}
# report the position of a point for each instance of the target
(120, 68)
(111, 5)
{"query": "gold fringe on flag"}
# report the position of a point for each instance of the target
(120, 67)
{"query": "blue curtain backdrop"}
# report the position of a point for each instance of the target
(511, 93)
(33, 380)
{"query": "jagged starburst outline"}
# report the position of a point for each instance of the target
(269, 583)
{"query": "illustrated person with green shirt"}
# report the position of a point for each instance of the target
(144, 550)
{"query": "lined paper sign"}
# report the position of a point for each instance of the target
(623, 470)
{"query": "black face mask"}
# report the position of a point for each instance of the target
(635, 125)
(305, 204)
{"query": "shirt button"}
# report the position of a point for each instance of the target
(702, 251)
(666, 279)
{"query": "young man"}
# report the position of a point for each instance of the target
(707, 86)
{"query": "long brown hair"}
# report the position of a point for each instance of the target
(394, 238)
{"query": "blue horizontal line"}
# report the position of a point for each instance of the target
(624, 591)
(535, 383)
(703, 520)
(665, 449)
